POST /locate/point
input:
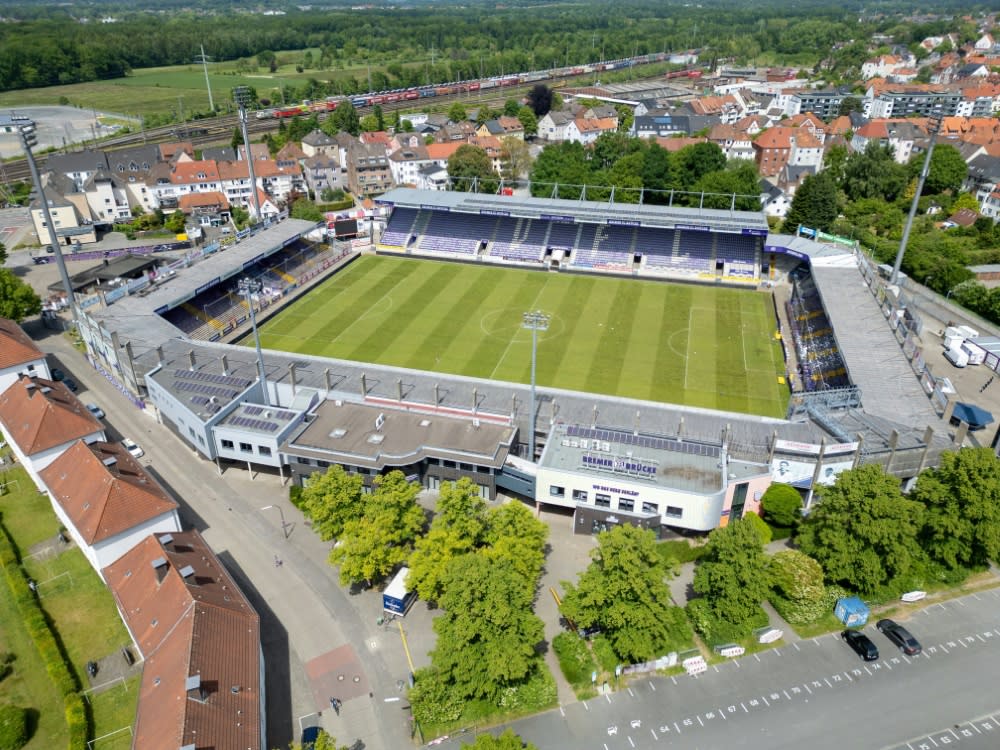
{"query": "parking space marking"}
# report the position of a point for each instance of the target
(849, 678)
(652, 685)
(777, 652)
(887, 666)
(654, 734)
(868, 671)
(737, 663)
(944, 649)
(586, 706)
(961, 602)
(673, 680)
(677, 728)
(796, 647)
(904, 657)
(757, 657)
(715, 667)
(765, 701)
(976, 597)
(723, 715)
(786, 694)
(630, 742)
(827, 682)
(700, 721)
(745, 709)
(807, 689)
(630, 692)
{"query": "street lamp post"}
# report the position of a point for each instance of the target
(534, 321)
(26, 130)
(284, 526)
(249, 287)
(935, 126)
(242, 95)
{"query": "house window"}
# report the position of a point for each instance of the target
(651, 508)
(228, 444)
(673, 512)
(602, 501)
(263, 450)
(557, 491)
(246, 447)
(625, 503)
(580, 496)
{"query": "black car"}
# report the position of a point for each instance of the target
(900, 636)
(861, 644)
(71, 384)
(58, 374)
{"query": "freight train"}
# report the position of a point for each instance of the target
(466, 87)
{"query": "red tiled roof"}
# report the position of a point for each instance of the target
(189, 172)
(189, 619)
(208, 199)
(103, 490)
(776, 137)
(16, 347)
(437, 151)
(39, 414)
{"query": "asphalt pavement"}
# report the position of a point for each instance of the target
(814, 693)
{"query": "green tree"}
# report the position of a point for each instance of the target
(471, 169)
(965, 200)
(962, 501)
(540, 99)
(457, 112)
(17, 299)
(176, 221)
(237, 139)
(369, 124)
(432, 555)
(487, 637)
(834, 162)
(515, 158)
(344, 119)
(863, 531)
(874, 173)
(737, 186)
(303, 208)
(658, 173)
(379, 117)
(782, 504)
(849, 104)
(799, 593)
(381, 539)
(323, 742)
(814, 204)
(528, 121)
(331, 499)
(511, 107)
(3, 253)
(947, 173)
(506, 741)
(460, 508)
(693, 162)
(623, 592)
(564, 163)
(732, 575)
(515, 536)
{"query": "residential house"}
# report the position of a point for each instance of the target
(322, 173)
(132, 166)
(901, 135)
(19, 355)
(774, 200)
(188, 176)
(291, 155)
(881, 66)
(991, 205)
(106, 501)
(406, 163)
(318, 143)
(666, 124)
(735, 143)
(259, 151)
(972, 70)
(728, 108)
(78, 166)
(41, 419)
(69, 209)
(203, 679)
(586, 131)
(432, 176)
(493, 148)
(983, 180)
(807, 150)
(235, 185)
(108, 199)
(985, 43)
(209, 209)
(553, 126)
(368, 171)
(772, 150)
(907, 101)
(279, 182)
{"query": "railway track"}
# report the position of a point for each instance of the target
(220, 129)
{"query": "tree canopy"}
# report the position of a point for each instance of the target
(506, 741)
(782, 504)
(874, 173)
(962, 501)
(948, 169)
(862, 531)
(331, 499)
(471, 169)
(814, 204)
(623, 593)
(17, 300)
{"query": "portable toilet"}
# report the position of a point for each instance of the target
(851, 611)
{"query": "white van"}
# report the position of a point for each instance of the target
(976, 355)
(957, 357)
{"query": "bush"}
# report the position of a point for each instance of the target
(575, 659)
(14, 727)
(606, 657)
(717, 631)
(6, 664)
(782, 505)
(680, 550)
(536, 694)
(295, 496)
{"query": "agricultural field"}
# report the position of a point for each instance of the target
(688, 344)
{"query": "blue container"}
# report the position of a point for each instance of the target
(851, 611)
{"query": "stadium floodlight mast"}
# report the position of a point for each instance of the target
(26, 130)
(242, 96)
(249, 287)
(934, 126)
(534, 321)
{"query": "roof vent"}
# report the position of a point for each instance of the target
(110, 461)
(46, 389)
(187, 571)
(160, 566)
(194, 689)
(235, 689)
(425, 423)
(166, 539)
(376, 439)
(28, 386)
(338, 433)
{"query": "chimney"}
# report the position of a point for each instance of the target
(161, 566)
(194, 689)
(191, 357)
(291, 376)
(110, 461)
(167, 539)
(159, 355)
(225, 365)
(186, 572)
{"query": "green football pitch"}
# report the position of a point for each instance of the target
(689, 344)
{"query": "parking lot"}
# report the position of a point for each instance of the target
(809, 693)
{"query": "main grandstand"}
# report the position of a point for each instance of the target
(595, 454)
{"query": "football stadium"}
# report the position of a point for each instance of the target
(647, 364)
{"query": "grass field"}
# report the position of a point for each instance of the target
(680, 343)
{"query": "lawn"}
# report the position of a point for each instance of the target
(81, 609)
(689, 344)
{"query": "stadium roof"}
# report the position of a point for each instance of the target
(817, 253)
(595, 212)
(136, 317)
(875, 362)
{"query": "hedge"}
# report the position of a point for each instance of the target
(13, 727)
(575, 659)
(37, 625)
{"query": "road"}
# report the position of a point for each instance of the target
(814, 694)
(304, 612)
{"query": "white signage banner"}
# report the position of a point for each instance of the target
(813, 448)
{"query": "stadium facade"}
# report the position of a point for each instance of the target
(611, 460)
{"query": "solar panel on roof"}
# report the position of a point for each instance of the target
(646, 441)
(253, 410)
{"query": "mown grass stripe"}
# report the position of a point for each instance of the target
(558, 363)
(607, 364)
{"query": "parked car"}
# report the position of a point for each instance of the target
(861, 644)
(133, 448)
(71, 384)
(96, 410)
(899, 636)
(58, 374)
